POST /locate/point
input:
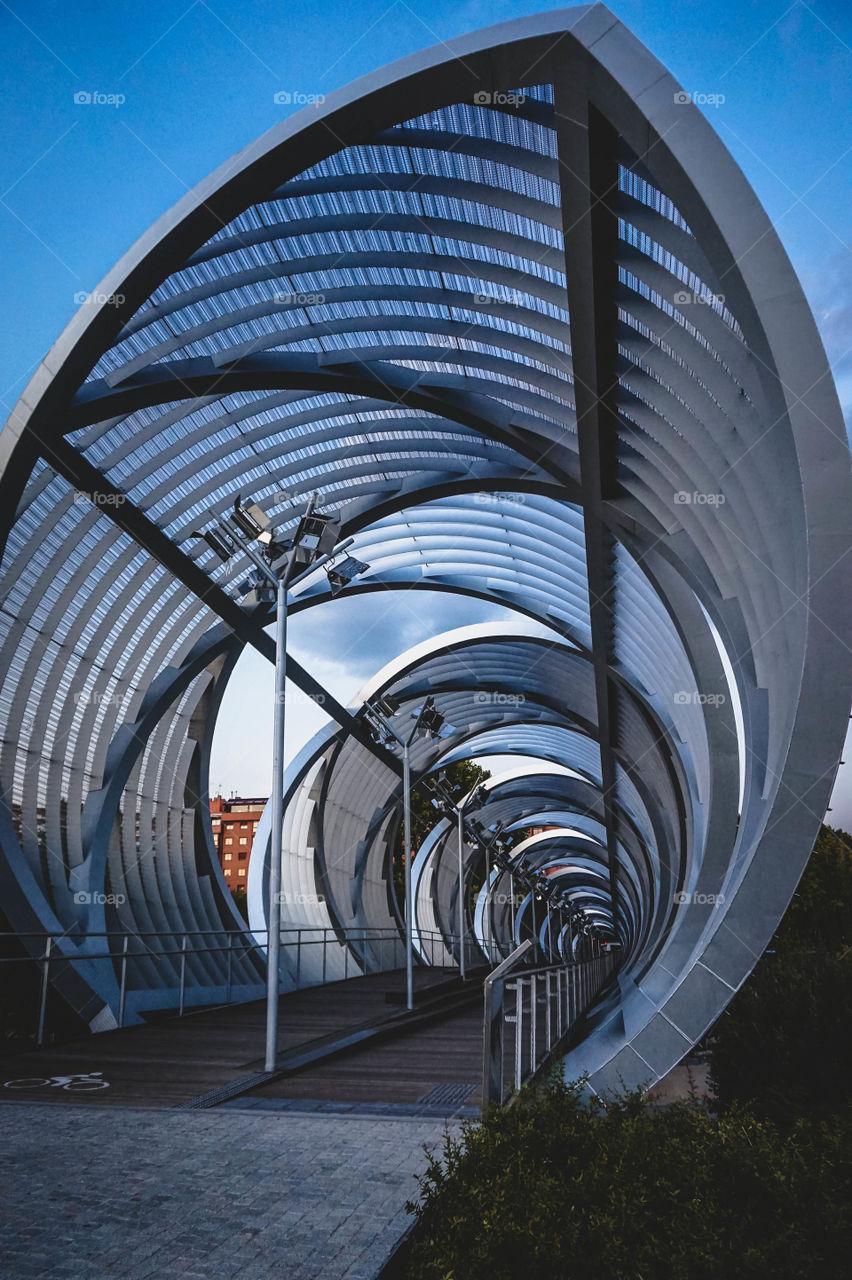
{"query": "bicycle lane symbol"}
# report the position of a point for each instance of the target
(80, 1082)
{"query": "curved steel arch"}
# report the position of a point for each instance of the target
(570, 295)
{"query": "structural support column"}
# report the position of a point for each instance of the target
(588, 166)
(409, 904)
(277, 815)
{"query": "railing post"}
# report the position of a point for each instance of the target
(45, 978)
(182, 974)
(492, 1039)
(298, 959)
(533, 1022)
(494, 995)
(122, 992)
(324, 953)
(547, 1018)
(230, 968)
(519, 1033)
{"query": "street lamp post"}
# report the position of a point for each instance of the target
(277, 567)
(428, 721)
(444, 798)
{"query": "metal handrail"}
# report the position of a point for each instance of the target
(294, 940)
(494, 994)
(565, 991)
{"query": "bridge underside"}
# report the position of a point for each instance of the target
(510, 308)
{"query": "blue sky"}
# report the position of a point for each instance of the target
(81, 182)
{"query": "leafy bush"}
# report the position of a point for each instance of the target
(556, 1189)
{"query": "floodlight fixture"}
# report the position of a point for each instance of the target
(340, 574)
(251, 520)
(316, 536)
(216, 543)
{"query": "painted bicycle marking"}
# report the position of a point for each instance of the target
(80, 1082)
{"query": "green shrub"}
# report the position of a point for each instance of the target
(556, 1189)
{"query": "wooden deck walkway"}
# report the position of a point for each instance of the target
(169, 1062)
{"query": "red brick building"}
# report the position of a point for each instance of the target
(234, 824)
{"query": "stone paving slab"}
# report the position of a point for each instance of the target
(110, 1193)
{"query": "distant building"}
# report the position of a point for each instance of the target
(234, 823)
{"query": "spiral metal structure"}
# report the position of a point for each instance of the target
(509, 307)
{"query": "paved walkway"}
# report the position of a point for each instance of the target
(120, 1193)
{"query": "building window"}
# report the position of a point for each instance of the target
(228, 857)
(228, 840)
(241, 872)
(243, 840)
(243, 855)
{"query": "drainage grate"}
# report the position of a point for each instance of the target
(232, 1090)
(447, 1095)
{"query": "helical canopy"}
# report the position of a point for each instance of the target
(511, 310)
